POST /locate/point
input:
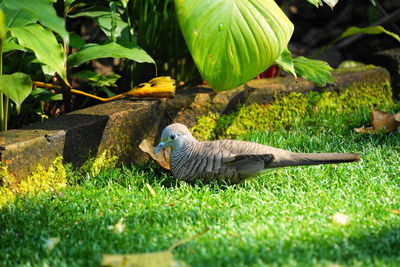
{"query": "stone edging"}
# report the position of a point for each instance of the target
(121, 125)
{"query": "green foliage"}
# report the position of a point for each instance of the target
(22, 32)
(45, 46)
(235, 55)
(16, 86)
(96, 79)
(94, 51)
(205, 127)
(93, 166)
(157, 28)
(316, 71)
(288, 110)
(38, 10)
(367, 30)
(52, 179)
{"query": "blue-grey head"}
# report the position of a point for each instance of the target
(174, 135)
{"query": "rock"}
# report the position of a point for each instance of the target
(117, 126)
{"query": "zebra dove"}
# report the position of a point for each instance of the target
(230, 160)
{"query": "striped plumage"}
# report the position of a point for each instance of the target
(231, 160)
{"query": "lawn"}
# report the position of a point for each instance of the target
(283, 217)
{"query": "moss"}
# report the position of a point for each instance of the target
(205, 127)
(40, 180)
(359, 95)
(52, 179)
(95, 165)
(285, 111)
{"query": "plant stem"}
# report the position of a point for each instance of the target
(3, 115)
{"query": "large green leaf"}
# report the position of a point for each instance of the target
(16, 86)
(44, 44)
(316, 71)
(104, 19)
(232, 41)
(17, 17)
(11, 44)
(368, 30)
(43, 11)
(94, 51)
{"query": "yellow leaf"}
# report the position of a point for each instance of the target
(151, 190)
(340, 219)
(154, 259)
(157, 87)
(119, 227)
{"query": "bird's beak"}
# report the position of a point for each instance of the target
(159, 147)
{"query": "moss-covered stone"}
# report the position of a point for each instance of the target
(105, 160)
(286, 110)
(52, 179)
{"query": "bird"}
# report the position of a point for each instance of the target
(231, 161)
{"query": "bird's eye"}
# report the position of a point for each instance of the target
(172, 136)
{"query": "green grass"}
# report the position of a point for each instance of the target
(283, 217)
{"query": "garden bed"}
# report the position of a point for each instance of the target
(120, 126)
(283, 217)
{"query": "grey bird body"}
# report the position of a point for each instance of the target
(231, 160)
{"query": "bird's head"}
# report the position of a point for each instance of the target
(173, 136)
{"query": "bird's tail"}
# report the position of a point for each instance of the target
(301, 159)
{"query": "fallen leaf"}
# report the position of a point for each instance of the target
(119, 227)
(163, 258)
(395, 211)
(154, 259)
(151, 190)
(162, 157)
(51, 243)
(381, 121)
(340, 219)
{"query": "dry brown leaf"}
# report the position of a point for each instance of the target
(153, 259)
(162, 157)
(381, 121)
(395, 211)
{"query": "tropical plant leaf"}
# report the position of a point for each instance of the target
(45, 96)
(117, 50)
(44, 44)
(368, 30)
(76, 41)
(96, 79)
(17, 17)
(285, 61)
(43, 11)
(16, 86)
(233, 41)
(316, 71)
(316, 3)
(11, 44)
(330, 3)
(104, 19)
(3, 32)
